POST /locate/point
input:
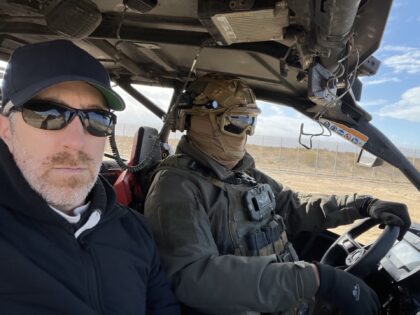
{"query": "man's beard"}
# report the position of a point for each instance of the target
(64, 193)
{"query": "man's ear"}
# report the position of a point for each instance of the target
(5, 130)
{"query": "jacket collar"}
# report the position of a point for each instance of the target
(222, 173)
(17, 195)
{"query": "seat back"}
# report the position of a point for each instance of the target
(110, 170)
(147, 145)
(131, 188)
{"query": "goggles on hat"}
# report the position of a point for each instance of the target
(238, 121)
(49, 115)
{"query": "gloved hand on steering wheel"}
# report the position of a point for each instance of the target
(388, 212)
(346, 292)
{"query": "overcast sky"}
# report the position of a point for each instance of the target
(392, 96)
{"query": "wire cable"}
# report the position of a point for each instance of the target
(353, 75)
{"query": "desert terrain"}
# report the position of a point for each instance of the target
(404, 193)
(348, 179)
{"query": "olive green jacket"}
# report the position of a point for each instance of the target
(189, 218)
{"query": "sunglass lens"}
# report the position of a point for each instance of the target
(99, 124)
(44, 116)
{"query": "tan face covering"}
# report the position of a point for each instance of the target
(205, 134)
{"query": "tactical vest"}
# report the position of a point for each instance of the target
(254, 227)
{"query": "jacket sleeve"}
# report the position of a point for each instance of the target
(205, 280)
(311, 212)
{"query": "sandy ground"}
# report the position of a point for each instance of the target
(405, 193)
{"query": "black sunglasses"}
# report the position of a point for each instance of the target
(48, 115)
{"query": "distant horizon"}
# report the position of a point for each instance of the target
(325, 142)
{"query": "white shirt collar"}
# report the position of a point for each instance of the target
(77, 212)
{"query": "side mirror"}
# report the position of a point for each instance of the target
(368, 159)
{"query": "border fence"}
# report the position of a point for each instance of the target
(332, 157)
(335, 158)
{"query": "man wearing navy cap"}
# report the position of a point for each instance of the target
(66, 246)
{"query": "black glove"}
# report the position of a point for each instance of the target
(346, 292)
(388, 212)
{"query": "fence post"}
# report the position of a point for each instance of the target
(298, 158)
(316, 158)
(281, 147)
(335, 159)
(354, 163)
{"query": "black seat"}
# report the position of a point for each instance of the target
(147, 146)
(131, 187)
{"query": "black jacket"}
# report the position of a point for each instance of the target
(112, 268)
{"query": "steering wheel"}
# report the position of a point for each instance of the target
(360, 260)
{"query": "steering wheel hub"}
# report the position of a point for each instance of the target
(353, 257)
(358, 259)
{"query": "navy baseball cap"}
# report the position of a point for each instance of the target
(34, 67)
